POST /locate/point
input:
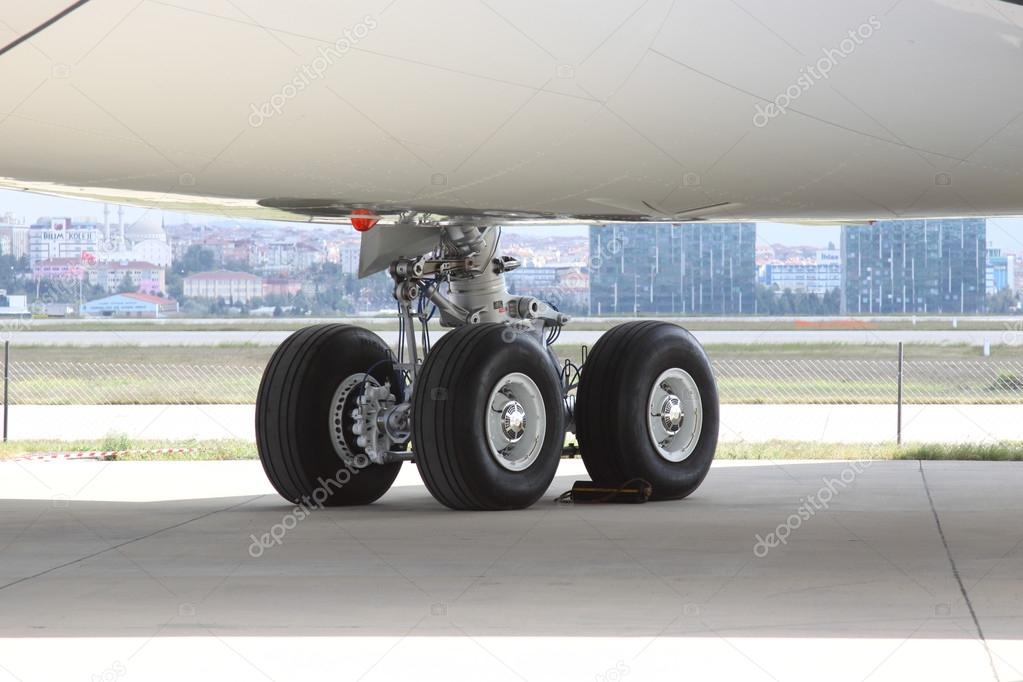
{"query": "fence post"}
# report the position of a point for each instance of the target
(7, 376)
(898, 433)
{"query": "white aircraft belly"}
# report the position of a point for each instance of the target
(623, 108)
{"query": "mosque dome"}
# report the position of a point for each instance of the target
(149, 226)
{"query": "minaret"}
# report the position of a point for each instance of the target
(106, 224)
(120, 226)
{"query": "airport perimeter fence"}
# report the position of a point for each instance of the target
(805, 381)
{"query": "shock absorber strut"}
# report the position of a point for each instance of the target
(467, 262)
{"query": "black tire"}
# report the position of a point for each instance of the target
(292, 415)
(611, 408)
(449, 412)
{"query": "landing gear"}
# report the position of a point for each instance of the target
(317, 433)
(488, 419)
(647, 407)
(489, 404)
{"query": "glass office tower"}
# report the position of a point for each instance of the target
(680, 268)
(915, 266)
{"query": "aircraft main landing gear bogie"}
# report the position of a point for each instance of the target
(487, 407)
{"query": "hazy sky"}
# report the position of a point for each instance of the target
(1004, 233)
(32, 206)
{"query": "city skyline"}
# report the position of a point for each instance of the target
(678, 268)
(1004, 233)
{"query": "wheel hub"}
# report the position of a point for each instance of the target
(516, 422)
(672, 414)
(675, 411)
(513, 421)
(354, 431)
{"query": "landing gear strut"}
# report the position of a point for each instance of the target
(486, 409)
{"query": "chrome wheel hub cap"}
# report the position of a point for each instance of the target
(675, 415)
(516, 422)
(513, 421)
(671, 414)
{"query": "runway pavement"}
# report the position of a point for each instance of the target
(160, 571)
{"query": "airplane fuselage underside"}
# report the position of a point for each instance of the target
(637, 109)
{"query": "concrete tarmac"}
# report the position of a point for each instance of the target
(159, 571)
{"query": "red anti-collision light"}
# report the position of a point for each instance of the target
(364, 219)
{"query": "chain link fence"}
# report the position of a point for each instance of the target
(870, 382)
(87, 383)
(740, 381)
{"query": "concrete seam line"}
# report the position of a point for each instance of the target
(126, 542)
(955, 573)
